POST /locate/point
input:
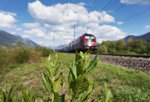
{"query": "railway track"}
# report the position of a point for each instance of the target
(121, 55)
(137, 62)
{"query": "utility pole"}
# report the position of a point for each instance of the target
(87, 29)
(53, 42)
(93, 32)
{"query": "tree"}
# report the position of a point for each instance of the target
(103, 49)
(121, 46)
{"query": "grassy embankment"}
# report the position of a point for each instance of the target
(123, 83)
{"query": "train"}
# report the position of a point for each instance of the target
(82, 43)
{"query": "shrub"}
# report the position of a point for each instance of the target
(22, 56)
(44, 51)
(2, 62)
(17, 55)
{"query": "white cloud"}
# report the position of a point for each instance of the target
(110, 32)
(57, 22)
(8, 13)
(120, 23)
(147, 27)
(7, 19)
(136, 1)
(66, 13)
(82, 3)
(104, 31)
(25, 36)
(46, 44)
(31, 25)
(35, 32)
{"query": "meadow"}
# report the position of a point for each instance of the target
(23, 68)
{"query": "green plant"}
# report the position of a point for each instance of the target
(107, 95)
(53, 79)
(27, 96)
(79, 84)
(6, 96)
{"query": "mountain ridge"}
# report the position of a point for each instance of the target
(7, 39)
(145, 37)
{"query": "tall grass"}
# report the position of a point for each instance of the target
(14, 56)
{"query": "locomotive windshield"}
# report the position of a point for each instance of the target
(89, 38)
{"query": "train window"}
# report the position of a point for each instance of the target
(92, 37)
(89, 38)
(92, 40)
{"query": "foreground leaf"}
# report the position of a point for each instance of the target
(47, 83)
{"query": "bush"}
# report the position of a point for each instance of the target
(124, 47)
(44, 51)
(2, 59)
(23, 55)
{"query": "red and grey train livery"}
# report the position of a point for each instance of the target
(82, 43)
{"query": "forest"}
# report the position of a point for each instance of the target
(130, 47)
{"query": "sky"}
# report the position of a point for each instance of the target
(54, 22)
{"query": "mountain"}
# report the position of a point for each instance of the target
(145, 37)
(60, 47)
(7, 39)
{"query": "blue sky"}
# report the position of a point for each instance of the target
(44, 20)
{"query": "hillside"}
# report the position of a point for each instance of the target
(124, 83)
(145, 37)
(7, 39)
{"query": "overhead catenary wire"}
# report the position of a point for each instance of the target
(107, 4)
(137, 14)
(111, 4)
(74, 26)
(119, 8)
(92, 3)
(90, 7)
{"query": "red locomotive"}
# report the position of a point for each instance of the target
(82, 43)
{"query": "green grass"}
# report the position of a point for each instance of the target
(123, 82)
